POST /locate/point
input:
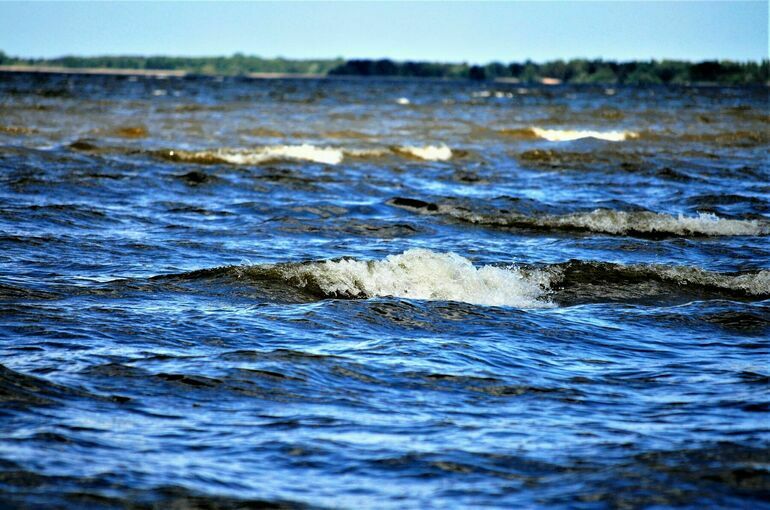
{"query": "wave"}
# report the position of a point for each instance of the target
(568, 135)
(602, 221)
(421, 274)
(304, 152)
(576, 281)
(726, 138)
(740, 138)
(609, 221)
(428, 152)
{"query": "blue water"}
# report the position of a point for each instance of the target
(231, 293)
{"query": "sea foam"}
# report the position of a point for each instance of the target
(427, 152)
(426, 275)
(304, 152)
(621, 222)
(567, 135)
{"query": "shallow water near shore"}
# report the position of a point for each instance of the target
(225, 293)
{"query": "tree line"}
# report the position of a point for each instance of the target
(234, 65)
(723, 72)
(650, 72)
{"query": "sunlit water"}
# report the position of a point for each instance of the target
(385, 294)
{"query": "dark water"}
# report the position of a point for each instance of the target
(506, 318)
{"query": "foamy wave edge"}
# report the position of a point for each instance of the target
(424, 275)
(620, 222)
(303, 152)
(753, 283)
(608, 221)
(568, 135)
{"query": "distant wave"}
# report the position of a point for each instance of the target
(605, 221)
(621, 222)
(741, 138)
(427, 152)
(588, 281)
(304, 152)
(567, 135)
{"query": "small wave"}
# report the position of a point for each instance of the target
(740, 138)
(568, 135)
(589, 281)
(622, 222)
(304, 152)
(603, 221)
(427, 152)
(420, 274)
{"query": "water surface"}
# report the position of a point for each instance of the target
(386, 294)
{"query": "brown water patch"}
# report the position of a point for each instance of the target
(131, 132)
(17, 130)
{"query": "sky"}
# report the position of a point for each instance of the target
(471, 31)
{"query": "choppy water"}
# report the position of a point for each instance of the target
(386, 294)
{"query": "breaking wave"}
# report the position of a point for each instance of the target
(568, 135)
(304, 152)
(428, 152)
(604, 221)
(421, 274)
(589, 281)
(609, 221)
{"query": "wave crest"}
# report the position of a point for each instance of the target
(424, 274)
(421, 274)
(603, 221)
(568, 135)
(589, 281)
(609, 221)
(427, 152)
(304, 152)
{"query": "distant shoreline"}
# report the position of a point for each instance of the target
(163, 73)
(181, 73)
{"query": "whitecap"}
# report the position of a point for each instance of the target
(304, 152)
(426, 275)
(567, 135)
(621, 222)
(428, 152)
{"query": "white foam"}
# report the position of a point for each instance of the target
(756, 283)
(403, 101)
(428, 275)
(304, 152)
(567, 135)
(428, 152)
(621, 222)
(307, 152)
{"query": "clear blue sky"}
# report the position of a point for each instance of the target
(458, 31)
